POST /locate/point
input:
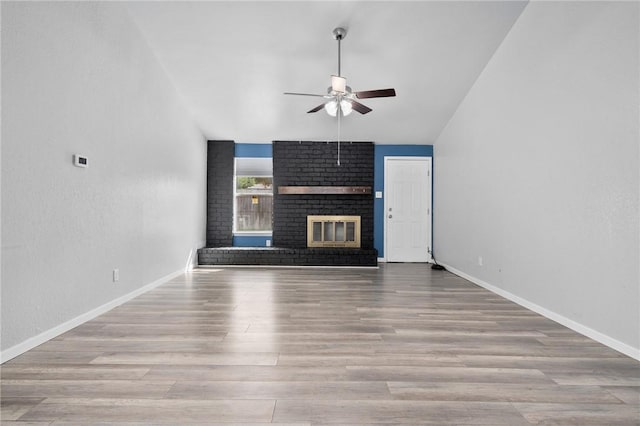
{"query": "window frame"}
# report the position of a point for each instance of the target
(235, 231)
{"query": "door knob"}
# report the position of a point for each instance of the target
(390, 216)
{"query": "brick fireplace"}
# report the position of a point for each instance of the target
(313, 165)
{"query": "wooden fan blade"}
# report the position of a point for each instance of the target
(304, 94)
(362, 109)
(316, 109)
(381, 93)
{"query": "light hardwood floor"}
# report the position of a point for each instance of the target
(398, 345)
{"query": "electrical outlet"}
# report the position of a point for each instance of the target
(479, 260)
(116, 275)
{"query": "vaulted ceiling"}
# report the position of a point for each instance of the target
(232, 61)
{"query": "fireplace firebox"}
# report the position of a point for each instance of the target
(333, 231)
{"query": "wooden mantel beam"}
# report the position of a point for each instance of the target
(290, 190)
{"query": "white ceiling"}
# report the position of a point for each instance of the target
(232, 61)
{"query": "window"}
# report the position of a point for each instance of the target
(253, 195)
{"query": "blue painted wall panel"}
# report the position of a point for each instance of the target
(250, 241)
(254, 150)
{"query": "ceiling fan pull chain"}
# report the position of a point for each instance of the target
(339, 114)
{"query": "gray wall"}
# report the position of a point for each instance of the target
(78, 77)
(537, 172)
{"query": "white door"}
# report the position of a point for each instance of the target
(407, 209)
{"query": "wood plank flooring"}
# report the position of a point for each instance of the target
(402, 344)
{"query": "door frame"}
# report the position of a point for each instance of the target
(430, 201)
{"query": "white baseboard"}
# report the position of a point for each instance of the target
(43, 337)
(569, 323)
(381, 260)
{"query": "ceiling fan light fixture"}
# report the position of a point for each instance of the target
(332, 107)
(346, 107)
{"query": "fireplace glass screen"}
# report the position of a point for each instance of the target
(333, 231)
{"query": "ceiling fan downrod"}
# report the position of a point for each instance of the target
(339, 33)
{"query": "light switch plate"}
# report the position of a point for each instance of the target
(80, 160)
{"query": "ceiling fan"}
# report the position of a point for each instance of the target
(340, 98)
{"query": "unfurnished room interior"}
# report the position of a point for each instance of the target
(320, 212)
